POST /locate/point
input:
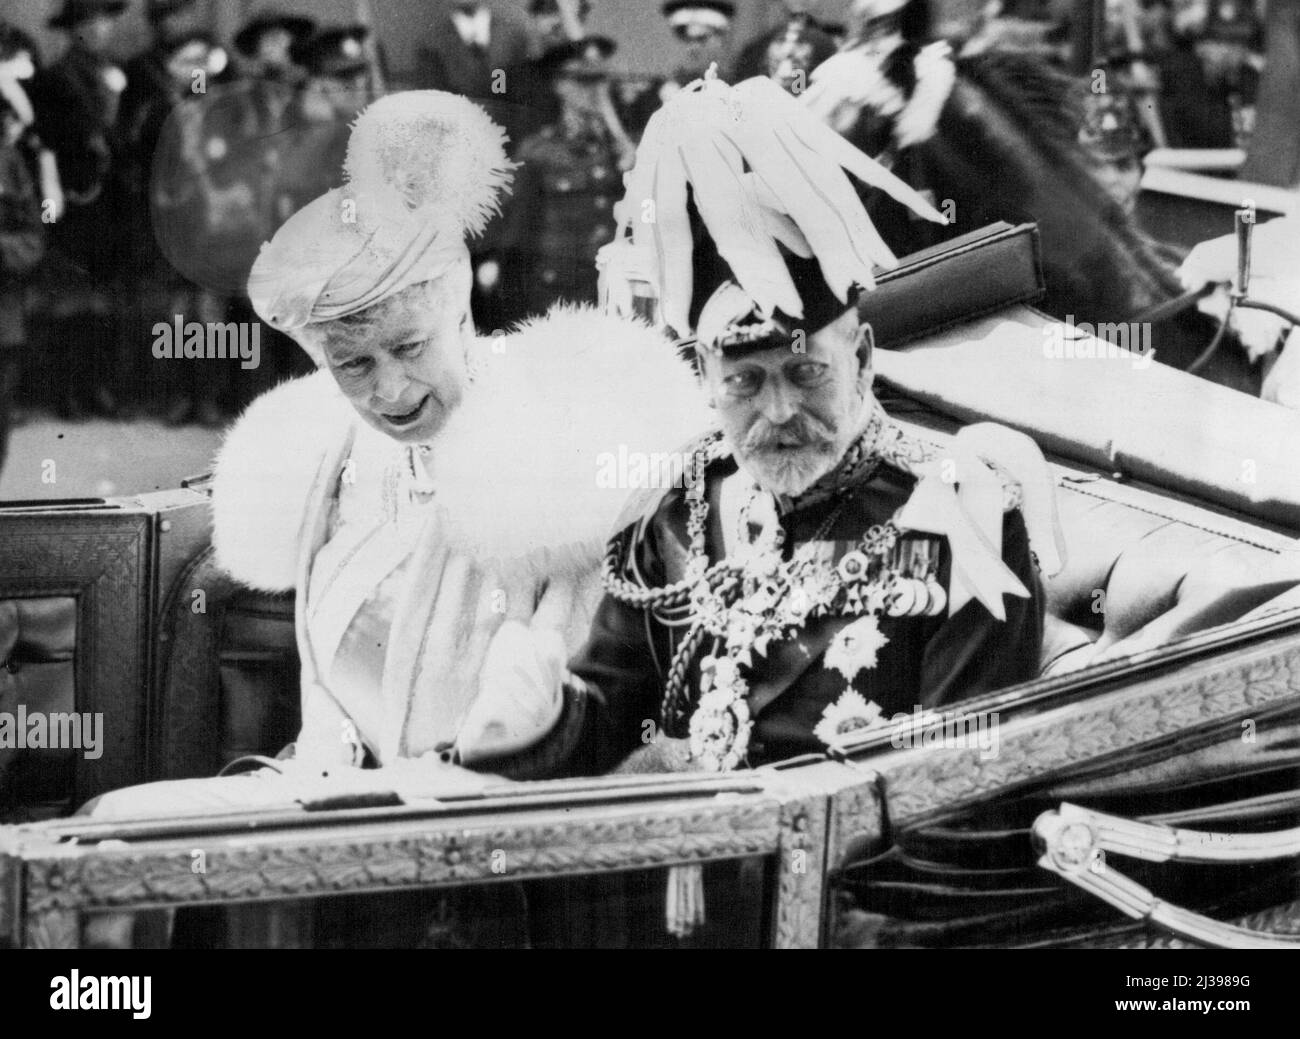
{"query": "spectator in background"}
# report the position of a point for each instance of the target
(473, 50)
(266, 44)
(222, 183)
(22, 233)
(800, 41)
(552, 24)
(181, 392)
(1231, 53)
(147, 80)
(339, 85)
(788, 55)
(482, 54)
(77, 101)
(562, 209)
(704, 27)
(1193, 114)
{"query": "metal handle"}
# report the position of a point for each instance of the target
(1075, 842)
(1245, 223)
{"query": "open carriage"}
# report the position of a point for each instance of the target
(1143, 791)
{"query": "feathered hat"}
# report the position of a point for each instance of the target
(424, 171)
(740, 217)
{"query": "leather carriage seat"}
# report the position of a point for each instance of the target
(38, 640)
(1143, 570)
(1179, 499)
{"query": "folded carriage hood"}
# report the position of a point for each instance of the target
(1116, 411)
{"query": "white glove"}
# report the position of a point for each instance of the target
(521, 694)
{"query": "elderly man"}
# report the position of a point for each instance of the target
(819, 568)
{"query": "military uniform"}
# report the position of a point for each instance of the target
(755, 613)
(883, 586)
(560, 215)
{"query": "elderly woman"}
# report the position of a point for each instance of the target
(433, 497)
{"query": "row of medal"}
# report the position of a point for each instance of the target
(915, 590)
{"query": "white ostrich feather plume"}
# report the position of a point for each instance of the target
(763, 173)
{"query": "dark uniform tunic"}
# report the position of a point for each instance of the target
(77, 117)
(561, 213)
(929, 662)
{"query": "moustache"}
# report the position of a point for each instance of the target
(802, 431)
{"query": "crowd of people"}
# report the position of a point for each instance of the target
(134, 193)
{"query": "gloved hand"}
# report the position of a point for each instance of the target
(521, 693)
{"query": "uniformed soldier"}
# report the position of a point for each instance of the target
(77, 102)
(788, 53)
(562, 212)
(339, 85)
(703, 28)
(267, 41)
(555, 21)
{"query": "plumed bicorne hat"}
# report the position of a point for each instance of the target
(740, 218)
(424, 171)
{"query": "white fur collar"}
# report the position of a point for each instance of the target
(523, 466)
(518, 468)
(264, 473)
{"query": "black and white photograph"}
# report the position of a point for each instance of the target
(650, 474)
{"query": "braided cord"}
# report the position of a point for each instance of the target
(677, 701)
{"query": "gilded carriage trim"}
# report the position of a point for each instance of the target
(289, 864)
(857, 819)
(1204, 695)
(801, 869)
(57, 929)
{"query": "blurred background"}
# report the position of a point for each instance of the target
(645, 45)
(149, 147)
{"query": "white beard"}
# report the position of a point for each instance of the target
(789, 474)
